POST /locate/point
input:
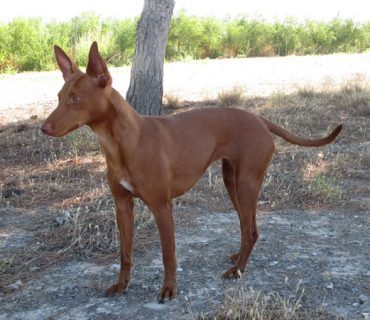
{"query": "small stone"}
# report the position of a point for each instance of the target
(329, 286)
(179, 269)
(115, 267)
(362, 298)
(101, 310)
(365, 315)
(156, 306)
(273, 263)
(16, 285)
(59, 221)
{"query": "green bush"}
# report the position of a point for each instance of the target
(26, 44)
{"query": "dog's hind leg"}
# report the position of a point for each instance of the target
(247, 195)
(248, 176)
(228, 174)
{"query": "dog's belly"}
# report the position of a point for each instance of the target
(182, 184)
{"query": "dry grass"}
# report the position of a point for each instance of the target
(249, 305)
(171, 101)
(232, 97)
(91, 231)
(63, 180)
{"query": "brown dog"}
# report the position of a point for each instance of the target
(160, 158)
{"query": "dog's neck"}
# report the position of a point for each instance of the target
(118, 127)
(117, 112)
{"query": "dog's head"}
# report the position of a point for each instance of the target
(83, 97)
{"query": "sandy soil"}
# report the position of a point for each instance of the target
(325, 252)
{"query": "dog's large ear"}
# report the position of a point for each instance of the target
(65, 64)
(97, 68)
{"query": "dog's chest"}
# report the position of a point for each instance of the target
(127, 185)
(113, 159)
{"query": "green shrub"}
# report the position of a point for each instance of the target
(26, 44)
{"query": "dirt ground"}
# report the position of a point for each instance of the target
(314, 249)
(321, 252)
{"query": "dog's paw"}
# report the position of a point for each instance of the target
(116, 288)
(233, 273)
(168, 291)
(234, 257)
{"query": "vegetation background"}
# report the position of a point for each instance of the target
(25, 42)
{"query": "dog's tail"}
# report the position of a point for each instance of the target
(290, 137)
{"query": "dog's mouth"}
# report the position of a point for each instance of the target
(51, 131)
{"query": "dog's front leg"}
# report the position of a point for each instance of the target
(125, 221)
(164, 219)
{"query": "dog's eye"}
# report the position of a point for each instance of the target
(76, 99)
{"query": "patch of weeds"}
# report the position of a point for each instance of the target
(83, 141)
(324, 187)
(247, 305)
(354, 96)
(306, 92)
(143, 216)
(27, 265)
(278, 98)
(91, 230)
(5, 265)
(232, 97)
(215, 180)
(9, 272)
(171, 102)
(357, 101)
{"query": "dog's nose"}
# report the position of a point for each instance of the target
(45, 128)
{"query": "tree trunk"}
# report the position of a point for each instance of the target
(146, 84)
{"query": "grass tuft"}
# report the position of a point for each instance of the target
(232, 97)
(90, 230)
(170, 101)
(306, 92)
(356, 98)
(247, 305)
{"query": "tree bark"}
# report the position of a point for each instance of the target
(146, 84)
